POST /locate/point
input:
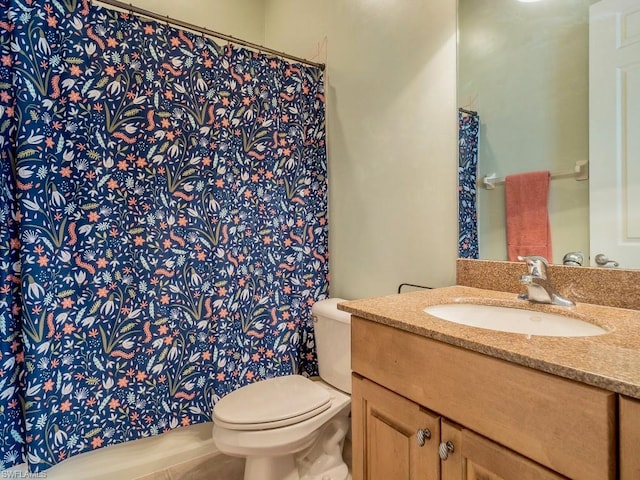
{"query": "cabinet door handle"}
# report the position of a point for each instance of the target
(422, 436)
(445, 449)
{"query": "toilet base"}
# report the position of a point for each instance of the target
(284, 468)
(271, 468)
(321, 461)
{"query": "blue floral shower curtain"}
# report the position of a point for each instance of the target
(468, 128)
(164, 229)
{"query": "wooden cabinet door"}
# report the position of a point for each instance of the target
(482, 459)
(629, 439)
(385, 436)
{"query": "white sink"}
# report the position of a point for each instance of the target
(514, 320)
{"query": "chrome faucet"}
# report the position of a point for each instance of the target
(538, 285)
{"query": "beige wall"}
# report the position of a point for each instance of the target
(392, 132)
(524, 68)
(238, 18)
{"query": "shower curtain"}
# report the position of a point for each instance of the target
(468, 128)
(164, 225)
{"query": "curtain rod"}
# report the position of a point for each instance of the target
(468, 112)
(147, 13)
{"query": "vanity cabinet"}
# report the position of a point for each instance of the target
(505, 421)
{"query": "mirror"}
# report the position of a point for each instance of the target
(523, 66)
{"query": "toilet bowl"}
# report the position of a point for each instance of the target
(293, 427)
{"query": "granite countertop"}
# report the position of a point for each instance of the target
(610, 361)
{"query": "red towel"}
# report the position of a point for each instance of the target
(528, 231)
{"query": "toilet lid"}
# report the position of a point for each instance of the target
(272, 403)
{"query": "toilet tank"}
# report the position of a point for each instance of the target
(332, 329)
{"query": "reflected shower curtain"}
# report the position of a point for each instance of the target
(12, 438)
(164, 229)
(468, 128)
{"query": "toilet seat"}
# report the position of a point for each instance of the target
(272, 403)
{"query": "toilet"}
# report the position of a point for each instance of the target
(293, 427)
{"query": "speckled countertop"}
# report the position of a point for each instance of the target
(610, 361)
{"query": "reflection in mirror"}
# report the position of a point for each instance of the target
(523, 67)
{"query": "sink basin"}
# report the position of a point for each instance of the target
(514, 320)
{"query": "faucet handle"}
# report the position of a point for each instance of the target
(537, 265)
(573, 258)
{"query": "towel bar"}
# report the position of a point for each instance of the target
(580, 172)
